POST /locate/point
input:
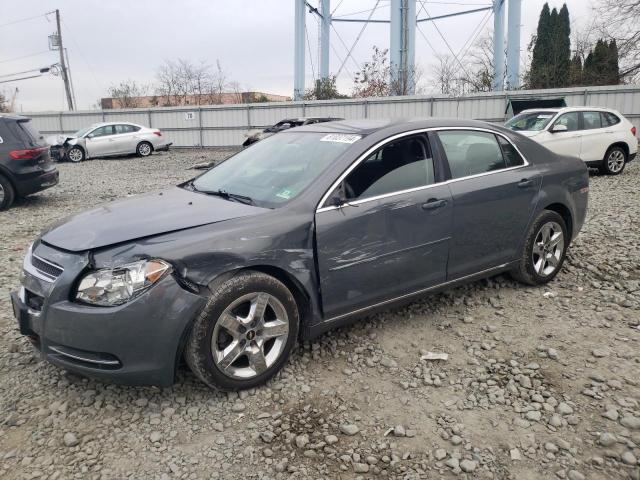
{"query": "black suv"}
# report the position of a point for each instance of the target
(25, 161)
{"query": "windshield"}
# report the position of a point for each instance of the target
(534, 121)
(275, 169)
(81, 132)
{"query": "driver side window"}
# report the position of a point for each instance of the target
(570, 120)
(400, 165)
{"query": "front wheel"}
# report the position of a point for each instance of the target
(544, 251)
(76, 154)
(245, 333)
(614, 161)
(144, 149)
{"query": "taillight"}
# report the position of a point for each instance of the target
(633, 131)
(27, 154)
(159, 133)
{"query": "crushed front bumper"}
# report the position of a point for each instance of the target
(137, 343)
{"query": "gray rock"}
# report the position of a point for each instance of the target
(331, 439)
(388, 362)
(349, 429)
(155, 436)
(599, 353)
(452, 463)
(302, 440)
(468, 465)
(628, 458)
(564, 409)
(631, 422)
(515, 454)
(533, 415)
(607, 439)
(575, 475)
(360, 467)
(70, 439)
(440, 453)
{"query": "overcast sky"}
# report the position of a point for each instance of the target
(253, 40)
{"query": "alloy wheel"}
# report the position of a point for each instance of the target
(615, 161)
(1, 194)
(548, 248)
(75, 155)
(250, 335)
(144, 149)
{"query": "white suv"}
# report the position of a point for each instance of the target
(601, 137)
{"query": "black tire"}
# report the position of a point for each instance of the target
(198, 349)
(7, 193)
(76, 154)
(144, 149)
(611, 164)
(526, 271)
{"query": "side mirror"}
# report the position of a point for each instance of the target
(559, 128)
(338, 198)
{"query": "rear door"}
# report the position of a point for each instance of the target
(565, 142)
(124, 139)
(392, 236)
(100, 141)
(494, 195)
(595, 138)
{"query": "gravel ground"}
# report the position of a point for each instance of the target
(539, 382)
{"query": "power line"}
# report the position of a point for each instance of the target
(20, 20)
(41, 70)
(22, 78)
(24, 56)
(306, 34)
(361, 11)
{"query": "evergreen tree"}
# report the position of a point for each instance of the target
(601, 66)
(539, 72)
(551, 62)
(613, 66)
(575, 71)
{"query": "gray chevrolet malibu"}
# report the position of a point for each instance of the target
(297, 234)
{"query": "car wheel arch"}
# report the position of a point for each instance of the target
(81, 147)
(564, 211)
(622, 145)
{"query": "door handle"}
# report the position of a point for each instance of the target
(525, 183)
(433, 204)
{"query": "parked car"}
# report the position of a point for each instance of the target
(285, 125)
(25, 162)
(107, 139)
(602, 138)
(296, 235)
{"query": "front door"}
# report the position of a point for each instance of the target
(391, 237)
(565, 142)
(100, 141)
(494, 196)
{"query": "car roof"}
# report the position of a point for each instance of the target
(569, 109)
(366, 127)
(104, 124)
(13, 116)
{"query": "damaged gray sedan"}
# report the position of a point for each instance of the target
(108, 139)
(304, 231)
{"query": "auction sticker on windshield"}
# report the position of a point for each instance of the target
(285, 193)
(340, 138)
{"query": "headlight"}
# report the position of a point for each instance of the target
(115, 286)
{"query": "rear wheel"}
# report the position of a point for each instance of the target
(76, 155)
(7, 193)
(544, 251)
(614, 161)
(144, 149)
(245, 333)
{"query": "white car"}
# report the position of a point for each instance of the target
(601, 137)
(107, 139)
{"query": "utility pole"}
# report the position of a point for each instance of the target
(498, 45)
(63, 63)
(298, 55)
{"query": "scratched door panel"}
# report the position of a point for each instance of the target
(380, 249)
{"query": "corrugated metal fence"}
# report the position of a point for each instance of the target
(226, 125)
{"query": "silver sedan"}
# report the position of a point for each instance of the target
(107, 139)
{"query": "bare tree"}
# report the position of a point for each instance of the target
(619, 20)
(4, 103)
(445, 76)
(128, 93)
(480, 71)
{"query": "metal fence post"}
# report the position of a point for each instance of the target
(432, 100)
(200, 126)
(586, 97)
(248, 117)
(60, 122)
(365, 105)
(149, 117)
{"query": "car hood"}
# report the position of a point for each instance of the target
(529, 133)
(142, 216)
(56, 140)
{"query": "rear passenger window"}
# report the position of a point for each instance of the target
(470, 152)
(609, 119)
(511, 156)
(400, 165)
(592, 120)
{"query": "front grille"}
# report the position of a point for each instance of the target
(46, 268)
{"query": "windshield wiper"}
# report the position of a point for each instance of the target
(227, 195)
